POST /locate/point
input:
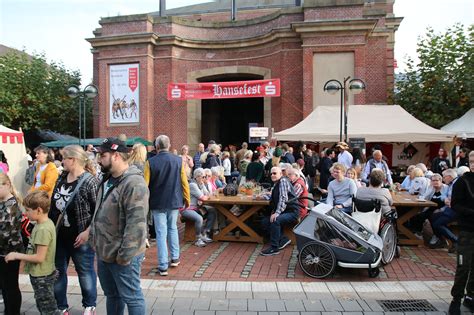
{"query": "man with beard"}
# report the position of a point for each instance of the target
(118, 229)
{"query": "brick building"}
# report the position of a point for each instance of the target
(303, 45)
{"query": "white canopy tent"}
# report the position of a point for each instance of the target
(463, 126)
(13, 145)
(375, 123)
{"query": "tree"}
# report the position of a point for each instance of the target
(439, 88)
(33, 94)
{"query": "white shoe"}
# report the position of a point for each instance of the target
(90, 310)
(206, 239)
(200, 243)
(434, 240)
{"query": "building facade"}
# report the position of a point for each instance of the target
(303, 45)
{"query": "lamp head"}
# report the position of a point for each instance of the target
(332, 87)
(356, 86)
(91, 91)
(73, 91)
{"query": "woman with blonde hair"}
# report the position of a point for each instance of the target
(138, 156)
(46, 172)
(72, 208)
(420, 183)
(10, 241)
(188, 162)
(353, 174)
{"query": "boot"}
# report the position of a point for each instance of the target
(455, 307)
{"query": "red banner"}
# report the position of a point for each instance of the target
(133, 78)
(236, 89)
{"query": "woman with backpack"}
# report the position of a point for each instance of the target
(72, 208)
(10, 241)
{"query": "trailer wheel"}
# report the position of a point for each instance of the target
(317, 260)
(389, 240)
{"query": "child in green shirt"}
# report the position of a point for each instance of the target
(39, 257)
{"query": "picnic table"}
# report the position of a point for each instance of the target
(414, 205)
(224, 203)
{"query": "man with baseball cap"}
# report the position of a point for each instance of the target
(344, 157)
(118, 229)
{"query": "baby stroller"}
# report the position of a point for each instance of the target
(328, 237)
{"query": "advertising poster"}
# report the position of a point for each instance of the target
(124, 94)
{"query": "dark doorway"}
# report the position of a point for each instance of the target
(227, 120)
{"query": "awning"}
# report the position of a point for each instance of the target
(463, 126)
(93, 141)
(8, 135)
(375, 123)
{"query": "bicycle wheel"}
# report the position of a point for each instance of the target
(317, 260)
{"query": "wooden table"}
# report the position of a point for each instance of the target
(404, 199)
(224, 203)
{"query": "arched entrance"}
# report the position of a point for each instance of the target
(226, 120)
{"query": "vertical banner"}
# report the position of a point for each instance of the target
(124, 91)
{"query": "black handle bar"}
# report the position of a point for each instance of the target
(301, 198)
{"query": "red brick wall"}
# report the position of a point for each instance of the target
(290, 60)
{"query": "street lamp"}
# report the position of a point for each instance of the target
(355, 87)
(89, 92)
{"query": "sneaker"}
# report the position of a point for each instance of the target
(65, 312)
(469, 302)
(434, 240)
(455, 308)
(284, 242)
(206, 239)
(90, 310)
(162, 272)
(174, 262)
(270, 251)
(200, 243)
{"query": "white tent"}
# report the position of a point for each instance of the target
(463, 126)
(375, 123)
(13, 145)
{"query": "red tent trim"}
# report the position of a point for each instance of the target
(12, 135)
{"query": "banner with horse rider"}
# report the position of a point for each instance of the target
(124, 91)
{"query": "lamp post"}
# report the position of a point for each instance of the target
(355, 87)
(89, 92)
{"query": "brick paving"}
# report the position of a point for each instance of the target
(241, 262)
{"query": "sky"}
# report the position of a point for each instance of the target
(59, 28)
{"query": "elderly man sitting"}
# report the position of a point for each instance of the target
(299, 186)
(282, 213)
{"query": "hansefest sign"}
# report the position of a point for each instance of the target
(235, 89)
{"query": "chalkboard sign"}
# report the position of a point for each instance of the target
(357, 143)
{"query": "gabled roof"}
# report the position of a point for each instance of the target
(463, 126)
(375, 123)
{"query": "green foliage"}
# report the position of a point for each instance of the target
(33, 94)
(439, 88)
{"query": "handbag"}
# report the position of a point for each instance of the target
(60, 221)
(231, 189)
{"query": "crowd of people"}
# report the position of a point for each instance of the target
(104, 203)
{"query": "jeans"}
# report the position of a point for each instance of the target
(194, 216)
(440, 221)
(276, 228)
(83, 259)
(166, 235)
(121, 285)
(9, 285)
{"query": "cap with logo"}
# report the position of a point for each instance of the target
(113, 145)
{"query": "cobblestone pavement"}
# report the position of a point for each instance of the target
(180, 297)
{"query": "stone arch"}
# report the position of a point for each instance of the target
(194, 106)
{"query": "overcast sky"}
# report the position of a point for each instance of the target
(59, 27)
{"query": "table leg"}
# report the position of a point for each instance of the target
(238, 222)
(403, 230)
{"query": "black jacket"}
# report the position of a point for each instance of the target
(462, 201)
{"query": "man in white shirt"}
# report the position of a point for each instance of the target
(344, 157)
